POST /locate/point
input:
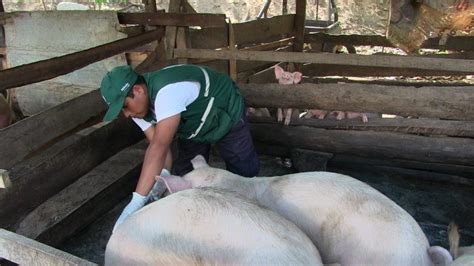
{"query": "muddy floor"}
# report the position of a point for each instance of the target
(433, 205)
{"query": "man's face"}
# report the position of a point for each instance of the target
(138, 105)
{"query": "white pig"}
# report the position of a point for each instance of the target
(211, 227)
(461, 255)
(349, 222)
(285, 77)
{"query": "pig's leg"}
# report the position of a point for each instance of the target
(279, 115)
(339, 115)
(288, 113)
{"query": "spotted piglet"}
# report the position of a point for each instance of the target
(285, 77)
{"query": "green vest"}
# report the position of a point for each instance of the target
(216, 110)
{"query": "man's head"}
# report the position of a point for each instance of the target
(124, 90)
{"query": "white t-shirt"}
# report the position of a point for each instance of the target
(172, 99)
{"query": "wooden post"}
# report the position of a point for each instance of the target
(181, 43)
(300, 19)
(232, 62)
(171, 32)
(150, 5)
(25, 251)
(284, 7)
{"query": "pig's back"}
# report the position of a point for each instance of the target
(346, 218)
(208, 226)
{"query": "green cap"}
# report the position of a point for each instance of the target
(115, 87)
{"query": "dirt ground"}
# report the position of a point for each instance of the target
(433, 205)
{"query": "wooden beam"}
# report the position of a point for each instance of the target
(173, 19)
(232, 63)
(401, 125)
(374, 71)
(85, 200)
(382, 145)
(437, 102)
(38, 178)
(300, 19)
(408, 62)
(50, 68)
(256, 31)
(25, 251)
(340, 160)
(457, 43)
(31, 134)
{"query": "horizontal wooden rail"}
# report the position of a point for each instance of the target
(408, 62)
(436, 102)
(51, 68)
(173, 19)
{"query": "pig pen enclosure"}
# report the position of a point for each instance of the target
(65, 176)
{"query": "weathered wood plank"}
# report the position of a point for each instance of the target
(30, 134)
(366, 71)
(408, 62)
(36, 179)
(436, 102)
(458, 43)
(85, 200)
(25, 251)
(173, 19)
(50, 68)
(256, 31)
(382, 145)
(400, 125)
(340, 160)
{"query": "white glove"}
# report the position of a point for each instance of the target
(137, 202)
(160, 187)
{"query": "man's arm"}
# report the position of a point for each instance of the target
(156, 153)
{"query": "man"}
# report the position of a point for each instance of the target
(198, 105)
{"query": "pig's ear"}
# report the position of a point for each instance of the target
(440, 256)
(199, 162)
(297, 77)
(175, 183)
(278, 71)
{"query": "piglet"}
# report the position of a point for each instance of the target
(208, 226)
(350, 222)
(285, 77)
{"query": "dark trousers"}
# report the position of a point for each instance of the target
(236, 148)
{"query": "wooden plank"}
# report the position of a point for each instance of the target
(173, 19)
(255, 31)
(31, 134)
(85, 200)
(400, 125)
(171, 31)
(457, 43)
(340, 160)
(50, 68)
(437, 102)
(181, 43)
(382, 145)
(43, 175)
(408, 62)
(25, 251)
(364, 71)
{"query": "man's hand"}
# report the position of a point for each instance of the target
(137, 202)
